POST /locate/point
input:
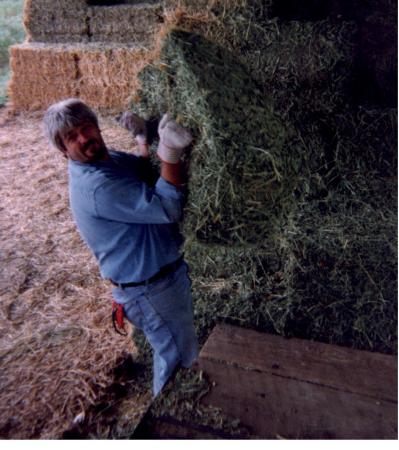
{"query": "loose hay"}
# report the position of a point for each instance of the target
(182, 399)
(58, 348)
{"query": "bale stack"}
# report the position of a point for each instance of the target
(103, 75)
(291, 214)
(91, 50)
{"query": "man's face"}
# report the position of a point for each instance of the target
(84, 144)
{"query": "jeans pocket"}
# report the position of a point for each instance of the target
(134, 313)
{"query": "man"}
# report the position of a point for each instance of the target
(131, 226)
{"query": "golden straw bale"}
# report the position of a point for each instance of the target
(34, 83)
(133, 24)
(64, 21)
(110, 65)
(103, 75)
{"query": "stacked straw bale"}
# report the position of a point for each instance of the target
(63, 21)
(291, 217)
(103, 75)
(76, 48)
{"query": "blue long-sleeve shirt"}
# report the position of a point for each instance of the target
(130, 227)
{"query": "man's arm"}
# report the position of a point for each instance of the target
(143, 150)
(171, 173)
(173, 140)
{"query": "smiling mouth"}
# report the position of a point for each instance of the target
(93, 151)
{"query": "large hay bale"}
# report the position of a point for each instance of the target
(311, 61)
(340, 273)
(255, 159)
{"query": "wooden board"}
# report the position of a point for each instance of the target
(299, 389)
(272, 406)
(366, 373)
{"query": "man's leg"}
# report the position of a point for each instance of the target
(171, 330)
(164, 311)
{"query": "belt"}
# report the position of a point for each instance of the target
(161, 273)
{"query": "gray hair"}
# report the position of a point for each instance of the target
(63, 116)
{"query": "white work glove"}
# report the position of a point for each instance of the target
(173, 139)
(136, 125)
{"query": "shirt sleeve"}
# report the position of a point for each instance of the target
(131, 201)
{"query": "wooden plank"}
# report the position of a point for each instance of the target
(355, 371)
(274, 406)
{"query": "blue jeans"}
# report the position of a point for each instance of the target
(164, 311)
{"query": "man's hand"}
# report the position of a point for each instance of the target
(136, 125)
(173, 139)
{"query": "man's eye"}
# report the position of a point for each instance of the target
(70, 136)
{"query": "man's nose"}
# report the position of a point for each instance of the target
(82, 138)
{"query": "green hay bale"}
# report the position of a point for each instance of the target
(341, 270)
(243, 151)
(241, 137)
(304, 66)
(239, 284)
(328, 275)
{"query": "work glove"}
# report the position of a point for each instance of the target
(136, 125)
(173, 139)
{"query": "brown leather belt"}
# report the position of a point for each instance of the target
(165, 270)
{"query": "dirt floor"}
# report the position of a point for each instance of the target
(58, 350)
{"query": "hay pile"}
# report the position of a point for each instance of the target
(58, 350)
(291, 216)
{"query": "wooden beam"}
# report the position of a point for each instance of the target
(274, 407)
(299, 389)
(346, 369)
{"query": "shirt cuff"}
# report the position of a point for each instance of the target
(167, 189)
